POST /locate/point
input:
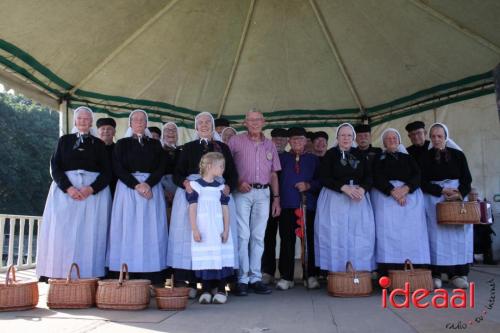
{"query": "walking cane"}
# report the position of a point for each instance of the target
(301, 232)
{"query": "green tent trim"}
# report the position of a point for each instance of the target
(447, 93)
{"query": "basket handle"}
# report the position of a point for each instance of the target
(8, 280)
(173, 281)
(459, 199)
(123, 269)
(75, 265)
(408, 265)
(463, 210)
(350, 269)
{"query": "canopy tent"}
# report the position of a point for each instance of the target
(310, 62)
(317, 62)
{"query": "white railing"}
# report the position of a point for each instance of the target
(14, 241)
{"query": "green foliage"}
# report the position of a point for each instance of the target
(28, 137)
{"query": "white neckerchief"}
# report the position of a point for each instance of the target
(139, 138)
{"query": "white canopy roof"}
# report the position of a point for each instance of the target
(315, 62)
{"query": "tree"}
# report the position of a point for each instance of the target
(28, 136)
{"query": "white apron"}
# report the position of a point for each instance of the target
(180, 235)
(401, 231)
(344, 230)
(138, 233)
(210, 253)
(449, 244)
(74, 231)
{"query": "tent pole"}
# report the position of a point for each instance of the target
(237, 58)
(123, 45)
(496, 78)
(338, 58)
(457, 26)
(63, 117)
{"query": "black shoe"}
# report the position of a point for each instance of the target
(260, 288)
(488, 258)
(241, 289)
(488, 261)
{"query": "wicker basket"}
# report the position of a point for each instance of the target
(350, 283)
(72, 294)
(458, 212)
(418, 278)
(123, 294)
(16, 295)
(172, 298)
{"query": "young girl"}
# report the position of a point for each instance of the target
(212, 250)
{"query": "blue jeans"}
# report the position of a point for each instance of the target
(252, 210)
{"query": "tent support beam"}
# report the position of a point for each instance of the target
(496, 77)
(338, 58)
(457, 26)
(63, 118)
(237, 58)
(14, 80)
(123, 45)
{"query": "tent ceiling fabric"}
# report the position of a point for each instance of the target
(309, 61)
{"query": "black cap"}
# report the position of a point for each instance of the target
(154, 129)
(221, 122)
(310, 135)
(363, 128)
(320, 134)
(415, 126)
(105, 121)
(279, 133)
(297, 131)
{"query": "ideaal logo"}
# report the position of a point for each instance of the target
(441, 299)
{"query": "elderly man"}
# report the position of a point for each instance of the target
(298, 176)
(257, 163)
(417, 133)
(320, 144)
(106, 128)
(279, 136)
(309, 145)
(364, 141)
(155, 132)
(221, 124)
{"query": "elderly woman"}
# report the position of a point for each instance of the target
(398, 206)
(227, 133)
(138, 232)
(344, 227)
(76, 215)
(446, 176)
(169, 139)
(187, 168)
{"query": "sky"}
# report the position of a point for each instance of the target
(2, 89)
